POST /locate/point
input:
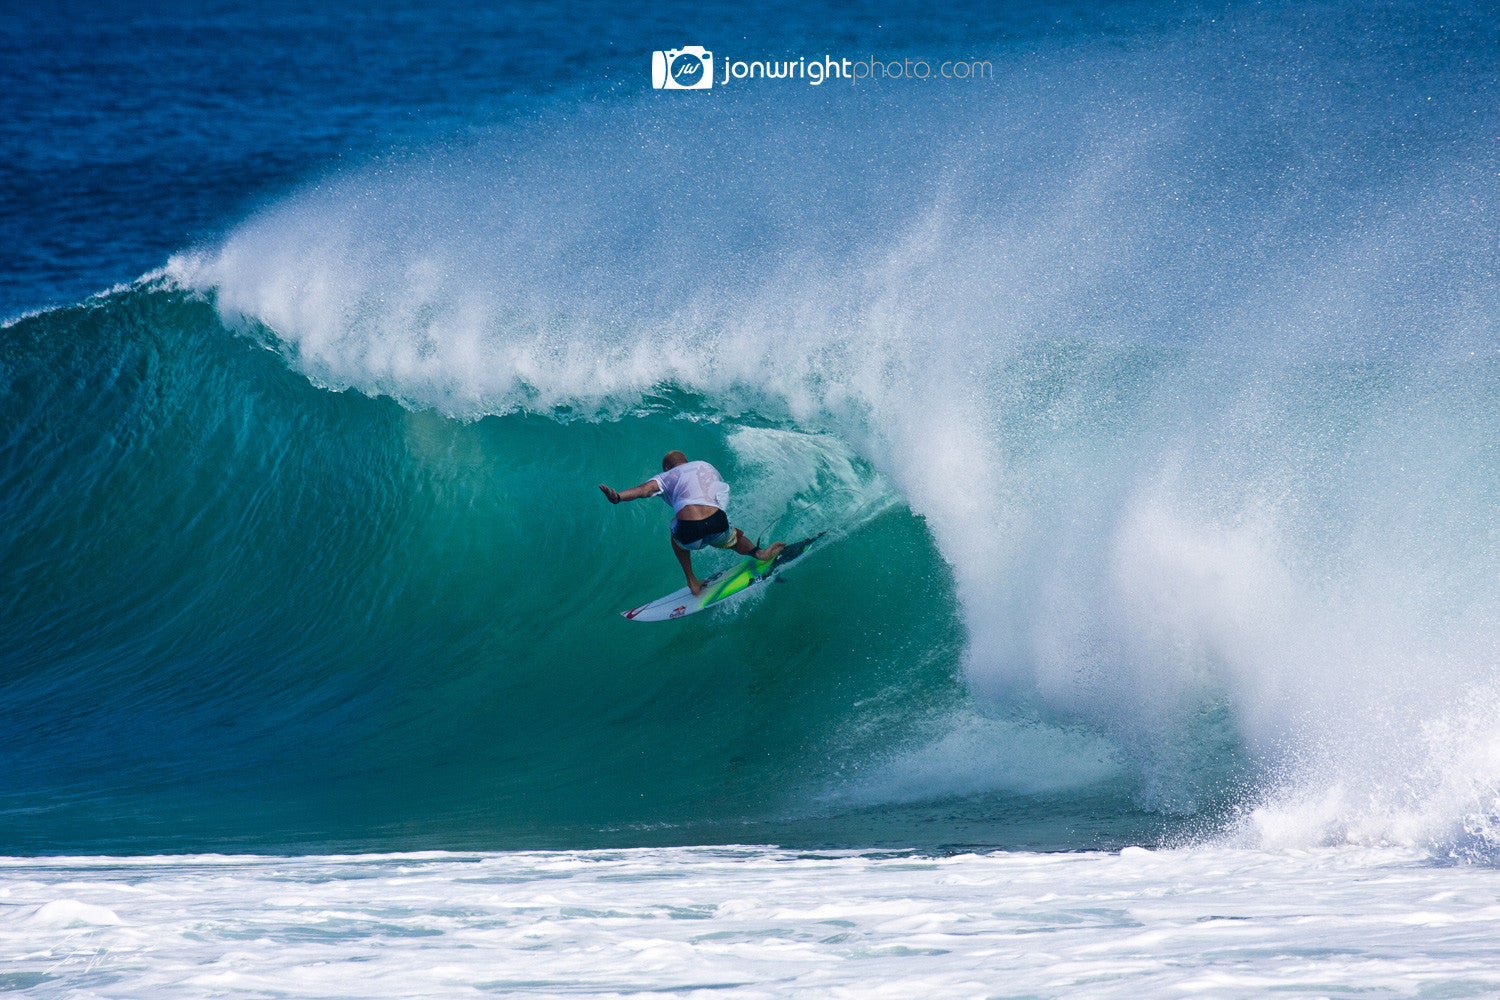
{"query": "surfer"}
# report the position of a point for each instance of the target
(697, 494)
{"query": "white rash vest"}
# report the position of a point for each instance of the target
(692, 483)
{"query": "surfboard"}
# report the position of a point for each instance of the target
(719, 587)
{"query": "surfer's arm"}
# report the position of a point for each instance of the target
(647, 489)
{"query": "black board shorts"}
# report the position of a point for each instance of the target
(708, 531)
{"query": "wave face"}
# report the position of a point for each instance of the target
(1147, 395)
(244, 610)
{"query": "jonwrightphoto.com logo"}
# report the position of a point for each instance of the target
(692, 68)
(688, 68)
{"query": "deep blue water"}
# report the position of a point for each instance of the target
(133, 131)
(1131, 382)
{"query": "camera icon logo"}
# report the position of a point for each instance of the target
(688, 68)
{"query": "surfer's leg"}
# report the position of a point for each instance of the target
(685, 558)
(745, 547)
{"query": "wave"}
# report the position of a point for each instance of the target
(238, 606)
(1155, 439)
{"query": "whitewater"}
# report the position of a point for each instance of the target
(1145, 393)
(750, 922)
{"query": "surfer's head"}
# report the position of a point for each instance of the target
(672, 460)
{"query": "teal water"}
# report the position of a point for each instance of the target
(243, 610)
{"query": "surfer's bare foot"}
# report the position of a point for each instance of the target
(696, 586)
(770, 553)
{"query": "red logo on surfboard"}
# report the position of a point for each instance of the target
(678, 611)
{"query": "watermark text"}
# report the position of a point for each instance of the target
(692, 67)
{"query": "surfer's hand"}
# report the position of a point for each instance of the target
(609, 494)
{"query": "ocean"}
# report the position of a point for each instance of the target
(1138, 361)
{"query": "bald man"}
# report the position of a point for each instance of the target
(696, 493)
